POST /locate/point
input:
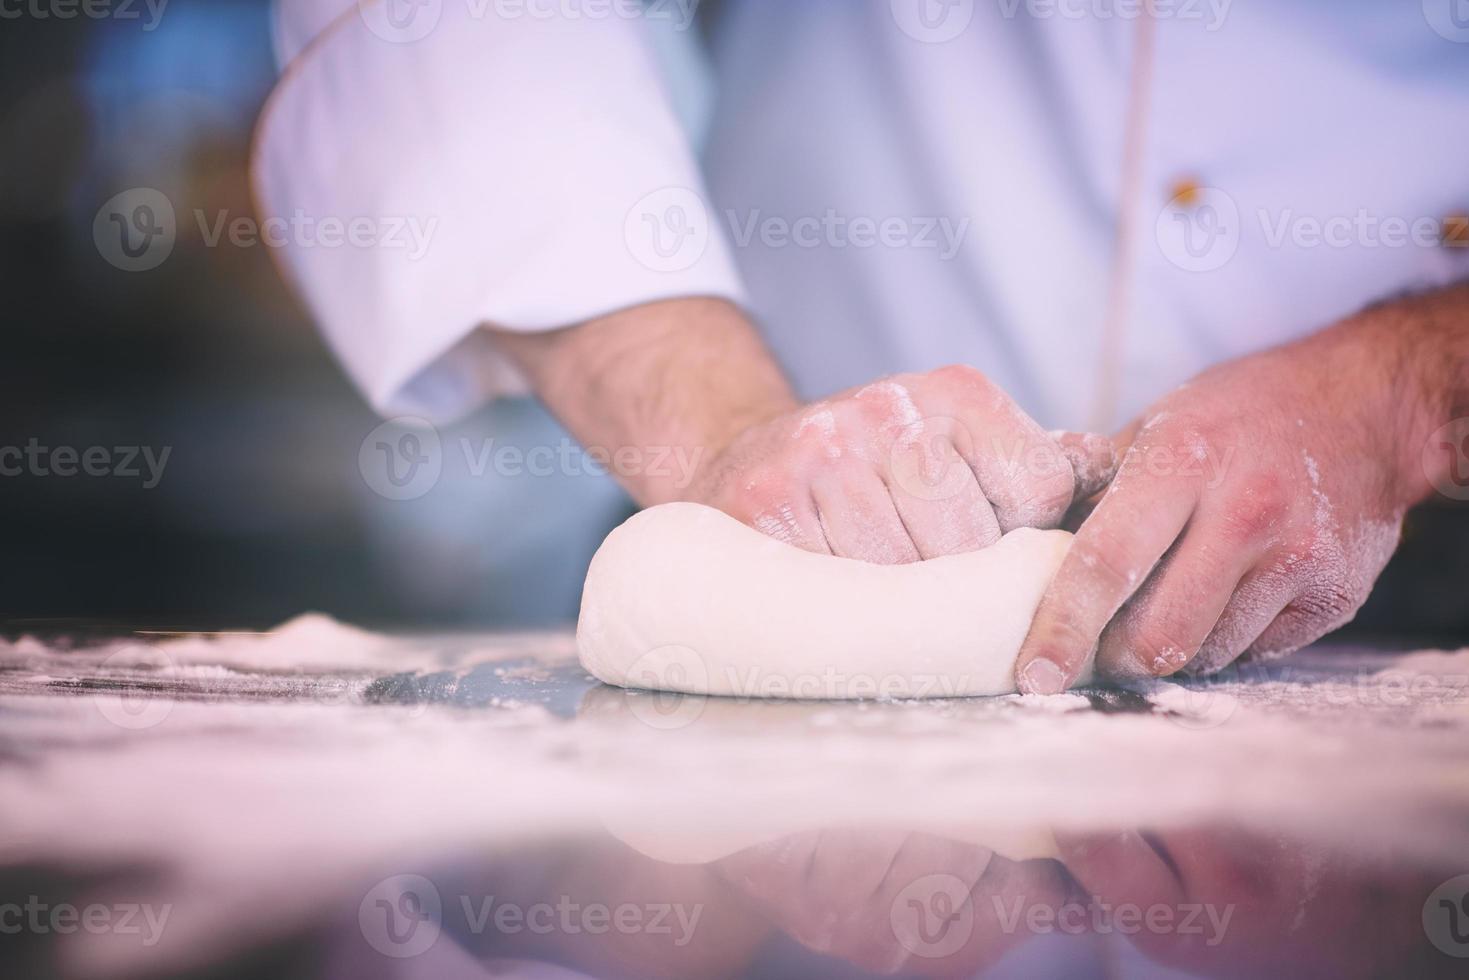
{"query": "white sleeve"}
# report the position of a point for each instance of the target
(523, 171)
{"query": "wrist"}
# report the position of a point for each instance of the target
(1417, 349)
(658, 391)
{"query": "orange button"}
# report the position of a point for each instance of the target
(1185, 192)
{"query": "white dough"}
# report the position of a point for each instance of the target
(683, 597)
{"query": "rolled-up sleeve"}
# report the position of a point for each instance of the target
(497, 170)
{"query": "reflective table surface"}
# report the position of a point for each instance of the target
(325, 801)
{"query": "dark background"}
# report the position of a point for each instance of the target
(262, 513)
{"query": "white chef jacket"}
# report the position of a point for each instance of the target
(886, 185)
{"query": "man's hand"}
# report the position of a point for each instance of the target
(910, 467)
(1256, 505)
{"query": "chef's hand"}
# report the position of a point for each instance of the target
(1256, 505)
(909, 467)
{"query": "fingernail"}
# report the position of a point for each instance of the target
(1167, 662)
(1042, 676)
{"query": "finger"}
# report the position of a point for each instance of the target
(1110, 558)
(1093, 460)
(1022, 471)
(1257, 601)
(937, 495)
(1121, 867)
(858, 517)
(1166, 623)
(770, 506)
(1303, 621)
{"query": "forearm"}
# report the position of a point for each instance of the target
(681, 375)
(1419, 348)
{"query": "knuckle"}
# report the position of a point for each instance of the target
(1039, 500)
(762, 488)
(959, 376)
(1330, 605)
(1211, 659)
(1104, 558)
(1064, 631)
(1257, 512)
(1160, 647)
